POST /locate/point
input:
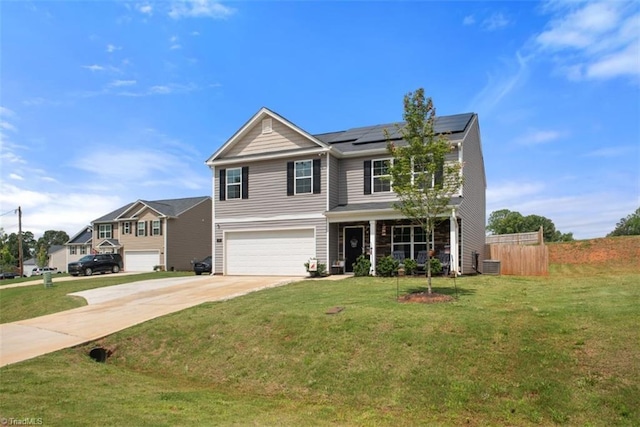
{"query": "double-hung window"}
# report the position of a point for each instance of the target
(126, 228)
(234, 183)
(83, 250)
(409, 239)
(104, 231)
(380, 176)
(155, 227)
(142, 228)
(304, 177)
(72, 250)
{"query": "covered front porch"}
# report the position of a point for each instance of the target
(380, 235)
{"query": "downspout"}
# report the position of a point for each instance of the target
(213, 219)
(453, 242)
(326, 219)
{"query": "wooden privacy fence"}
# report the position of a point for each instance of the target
(519, 260)
(530, 238)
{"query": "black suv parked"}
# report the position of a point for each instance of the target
(90, 264)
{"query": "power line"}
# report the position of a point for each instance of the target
(11, 211)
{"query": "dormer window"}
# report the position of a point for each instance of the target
(266, 126)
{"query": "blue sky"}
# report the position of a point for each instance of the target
(104, 103)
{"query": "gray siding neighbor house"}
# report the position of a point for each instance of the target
(282, 196)
(166, 234)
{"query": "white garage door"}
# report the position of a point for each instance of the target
(141, 260)
(269, 253)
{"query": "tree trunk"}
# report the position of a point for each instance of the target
(428, 267)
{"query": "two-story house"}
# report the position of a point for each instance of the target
(168, 234)
(282, 196)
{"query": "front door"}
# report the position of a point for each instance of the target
(353, 246)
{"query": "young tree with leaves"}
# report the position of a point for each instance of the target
(420, 174)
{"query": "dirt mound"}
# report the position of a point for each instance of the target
(623, 249)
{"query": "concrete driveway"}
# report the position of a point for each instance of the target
(115, 308)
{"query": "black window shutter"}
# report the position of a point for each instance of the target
(223, 184)
(439, 175)
(367, 177)
(147, 225)
(245, 182)
(316, 176)
(135, 224)
(290, 179)
(161, 227)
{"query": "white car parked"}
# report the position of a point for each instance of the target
(38, 271)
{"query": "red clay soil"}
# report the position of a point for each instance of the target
(425, 298)
(623, 249)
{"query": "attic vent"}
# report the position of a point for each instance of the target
(266, 126)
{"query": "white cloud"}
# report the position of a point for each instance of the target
(94, 67)
(495, 22)
(597, 40)
(469, 20)
(195, 33)
(509, 76)
(535, 137)
(16, 177)
(7, 126)
(120, 83)
(200, 9)
(112, 48)
(6, 112)
(145, 8)
(174, 43)
(610, 152)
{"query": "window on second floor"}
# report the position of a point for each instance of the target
(234, 183)
(155, 228)
(303, 177)
(142, 228)
(83, 250)
(105, 231)
(126, 228)
(72, 250)
(380, 175)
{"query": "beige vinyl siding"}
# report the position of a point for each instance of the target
(351, 178)
(58, 260)
(268, 192)
(319, 224)
(472, 210)
(280, 139)
(148, 242)
(189, 237)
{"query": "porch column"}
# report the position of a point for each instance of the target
(372, 246)
(453, 242)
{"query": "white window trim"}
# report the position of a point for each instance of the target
(412, 242)
(73, 250)
(374, 176)
(296, 177)
(126, 228)
(155, 226)
(142, 229)
(105, 231)
(227, 184)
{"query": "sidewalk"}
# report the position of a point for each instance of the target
(115, 308)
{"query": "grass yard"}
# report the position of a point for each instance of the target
(26, 302)
(562, 349)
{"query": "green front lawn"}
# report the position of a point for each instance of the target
(509, 351)
(26, 302)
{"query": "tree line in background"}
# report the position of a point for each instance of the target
(504, 221)
(629, 226)
(31, 248)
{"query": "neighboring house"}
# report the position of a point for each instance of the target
(57, 256)
(168, 234)
(28, 266)
(282, 195)
(79, 245)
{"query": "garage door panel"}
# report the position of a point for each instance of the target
(273, 252)
(141, 260)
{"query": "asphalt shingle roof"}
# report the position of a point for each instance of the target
(169, 207)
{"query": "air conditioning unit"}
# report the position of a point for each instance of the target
(491, 266)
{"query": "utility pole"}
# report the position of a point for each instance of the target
(20, 258)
